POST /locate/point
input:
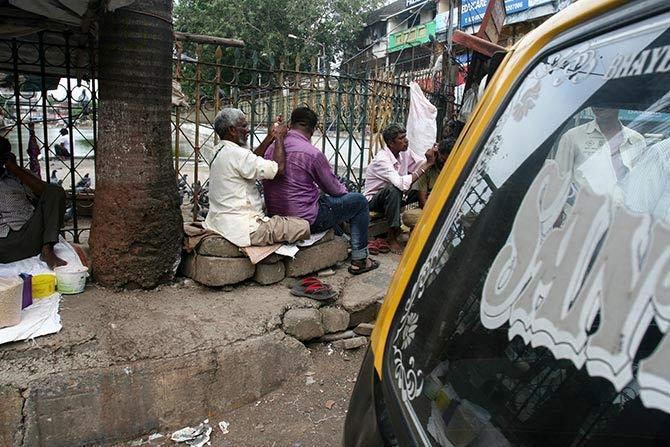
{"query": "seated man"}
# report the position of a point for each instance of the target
(235, 205)
(31, 212)
(391, 174)
(307, 173)
(426, 183)
(63, 146)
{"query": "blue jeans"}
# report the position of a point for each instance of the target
(352, 208)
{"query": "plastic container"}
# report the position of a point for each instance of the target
(71, 280)
(44, 285)
(11, 296)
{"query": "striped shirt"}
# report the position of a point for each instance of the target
(15, 206)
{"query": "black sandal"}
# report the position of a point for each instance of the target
(359, 267)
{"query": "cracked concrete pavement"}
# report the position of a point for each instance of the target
(127, 363)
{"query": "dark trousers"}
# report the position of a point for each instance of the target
(42, 228)
(389, 201)
(352, 208)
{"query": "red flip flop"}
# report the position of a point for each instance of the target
(319, 292)
(373, 247)
(382, 245)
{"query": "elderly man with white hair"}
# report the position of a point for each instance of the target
(235, 205)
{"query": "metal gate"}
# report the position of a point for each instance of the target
(45, 86)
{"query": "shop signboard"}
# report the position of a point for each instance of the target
(442, 19)
(414, 36)
(472, 11)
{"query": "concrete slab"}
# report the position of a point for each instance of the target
(360, 295)
(217, 271)
(128, 363)
(317, 257)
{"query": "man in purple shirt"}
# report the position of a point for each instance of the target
(298, 192)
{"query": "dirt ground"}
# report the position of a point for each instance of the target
(309, 410)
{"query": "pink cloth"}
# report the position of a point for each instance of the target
(385, 169)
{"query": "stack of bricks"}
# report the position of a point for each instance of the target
(216, 262)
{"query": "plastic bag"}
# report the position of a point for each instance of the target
(421, 121)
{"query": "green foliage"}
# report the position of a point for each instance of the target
(264, 25)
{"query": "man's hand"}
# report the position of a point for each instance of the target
(279, 131)
(431, 155)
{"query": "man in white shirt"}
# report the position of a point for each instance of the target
(235, 205)
(391, 174)
(600, 153)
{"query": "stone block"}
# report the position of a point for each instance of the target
(219, 247)
(364, 329)
(338, 336)
(317, 257)
(351, 343)
(366, 315)
(361, 295)
(10, 416)
(216, 272)
(334, 319)
(269, 273)
(303, 324)
(272, 259)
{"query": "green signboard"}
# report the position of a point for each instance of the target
(411, 37)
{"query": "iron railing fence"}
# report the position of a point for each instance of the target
(45, 86)
(352, 111)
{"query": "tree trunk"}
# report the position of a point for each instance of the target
(137, 226)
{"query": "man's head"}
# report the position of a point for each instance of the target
(605, 115)
(395, 137)
(444, 149)
(63, 131)
(304, 119)
(231, 124)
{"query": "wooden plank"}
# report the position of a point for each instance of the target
(477, 44)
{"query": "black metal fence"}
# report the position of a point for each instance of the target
(352, 110)
(46, 86)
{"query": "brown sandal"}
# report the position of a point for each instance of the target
(362, 266)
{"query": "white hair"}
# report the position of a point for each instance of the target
(227, 118)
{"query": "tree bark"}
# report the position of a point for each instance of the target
(137, 226)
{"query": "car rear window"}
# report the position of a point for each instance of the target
(539, 311)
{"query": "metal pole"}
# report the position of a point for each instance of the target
(17, 98)
(44, 107)
(75, 230)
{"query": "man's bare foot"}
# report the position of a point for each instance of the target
(48, 255)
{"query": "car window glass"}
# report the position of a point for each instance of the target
(538, 311)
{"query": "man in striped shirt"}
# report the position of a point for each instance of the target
(31, 212)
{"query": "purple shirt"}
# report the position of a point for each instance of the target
(296, 193)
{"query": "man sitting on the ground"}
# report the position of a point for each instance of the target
(235, 205)
(390, 175)
(297, 193)
(28, 227)
(425, 184)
